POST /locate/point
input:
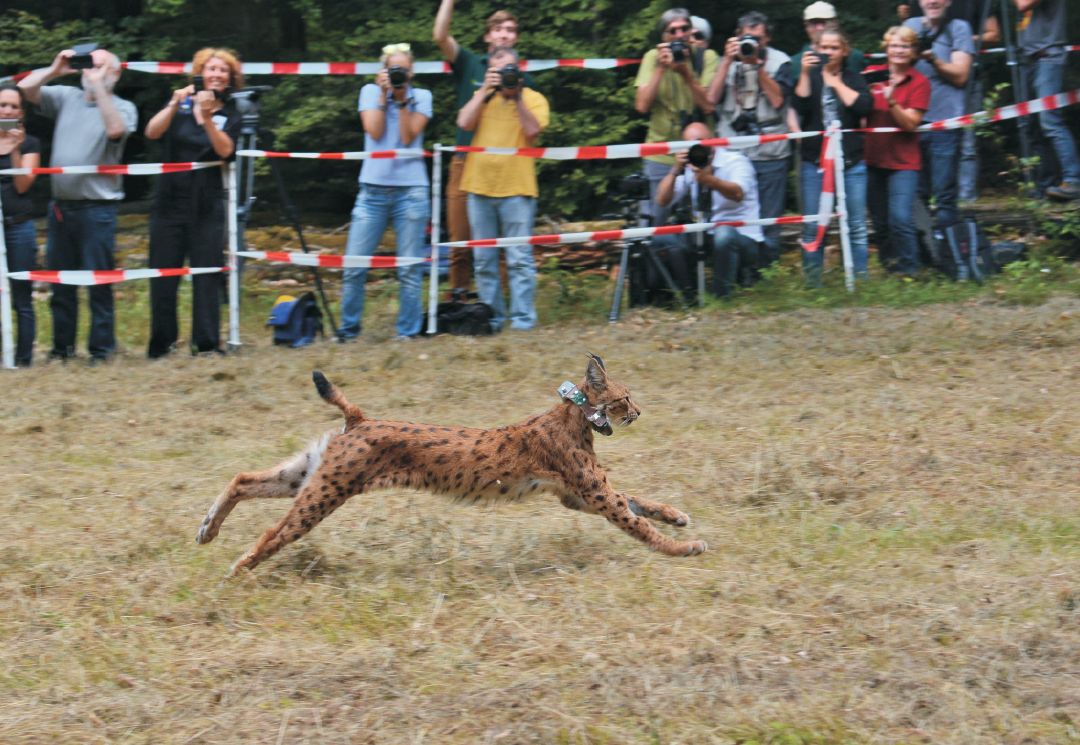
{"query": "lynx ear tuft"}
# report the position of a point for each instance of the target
(595, 374)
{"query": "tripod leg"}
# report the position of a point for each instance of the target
(666, 276)
(620, 282)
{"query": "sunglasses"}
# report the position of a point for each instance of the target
(678, 29)
(698, 35)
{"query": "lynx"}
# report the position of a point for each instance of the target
(550, 452)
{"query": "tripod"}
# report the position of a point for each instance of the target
(247, 103)
(1019, 83)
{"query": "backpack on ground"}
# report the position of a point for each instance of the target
(295, 321)
(464, 315)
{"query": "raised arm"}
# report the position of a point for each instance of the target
(441, 33)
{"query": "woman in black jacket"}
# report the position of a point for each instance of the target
(188, 217)
(827, 92)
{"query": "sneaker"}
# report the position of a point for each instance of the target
(1066, 192)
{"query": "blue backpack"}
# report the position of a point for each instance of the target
(296, 321)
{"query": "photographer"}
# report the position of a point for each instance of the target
(19, 150)
(752, 86)
(504, 112)
(671, 91)
(393, 114)
(187, 221)
(728, 177)
(945, 54)
(92, 126)
(828, 91)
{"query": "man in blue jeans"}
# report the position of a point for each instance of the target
(502, 189)
(92, 126)
(393, 114)
(1042, 44)
(946, 53)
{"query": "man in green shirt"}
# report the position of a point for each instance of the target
(671, 90)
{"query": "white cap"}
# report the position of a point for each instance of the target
(820, 10)
(700, 24)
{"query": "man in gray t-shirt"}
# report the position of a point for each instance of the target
(946, 52)
(92, 125)
(1042, 43)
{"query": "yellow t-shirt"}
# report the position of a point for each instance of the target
(504, 175)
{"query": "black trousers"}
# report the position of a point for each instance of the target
(178, 232)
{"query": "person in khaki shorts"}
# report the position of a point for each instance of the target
(468, 70)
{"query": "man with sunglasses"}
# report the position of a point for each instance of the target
(671, 91)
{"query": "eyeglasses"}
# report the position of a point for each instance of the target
(678, 29)
(698, 35)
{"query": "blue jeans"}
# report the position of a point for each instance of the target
(503, 217)
(735, 260)
(967, 176)
(855, 197)
(410, 209)
(940, 166)
(82, 236)
(891, 199)
(21, 241)
(772, 193)
(1047, 77)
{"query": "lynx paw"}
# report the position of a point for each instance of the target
(697, 547)
(206, 533)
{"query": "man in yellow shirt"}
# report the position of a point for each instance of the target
(502, 188)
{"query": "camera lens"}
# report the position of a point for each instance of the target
(678, 50)
(398, 76)
(698, 156)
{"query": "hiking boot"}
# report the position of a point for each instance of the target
(1066, 192)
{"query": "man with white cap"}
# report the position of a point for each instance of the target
(817, 17)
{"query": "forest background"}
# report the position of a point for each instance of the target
(318, 113)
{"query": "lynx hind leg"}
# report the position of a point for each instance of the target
(653, 510)
(616, 509)
(283, 480)
(317, 499)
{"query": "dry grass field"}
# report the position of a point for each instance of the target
(890, 497)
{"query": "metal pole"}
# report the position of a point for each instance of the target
(841, 207)
(230, 174)
(436, 204)
(7, 355)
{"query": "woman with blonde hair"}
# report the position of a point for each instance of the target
(393, 115)
(893, 159)
(199, 123)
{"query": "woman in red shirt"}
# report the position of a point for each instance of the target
(893, 159)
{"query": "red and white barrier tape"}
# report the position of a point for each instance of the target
(991, 50)
(1012, 111)
(335, 261)
(614, 235)
(641, 150)
(353, 155)
(109, 276)
(829, 151)
(134, 169)
(370, 68)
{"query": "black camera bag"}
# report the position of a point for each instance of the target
(463, 318)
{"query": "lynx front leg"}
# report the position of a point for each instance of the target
(616, 508)
(656, 510)
(283, 480)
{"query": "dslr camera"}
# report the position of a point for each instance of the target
(680, 50)
(699, 155)
(746, 123)
(82, 59)
(749, 46)
(927, 37)
(822, 58)
(509, 77)
(398, 75)
(199, 84)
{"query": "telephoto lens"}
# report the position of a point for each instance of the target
(698, 155)
(749, 45)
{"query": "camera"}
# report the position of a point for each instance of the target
(680, 50)
(398, 75)
(7, 124)
(749, 45)
(876, 74)
(634, 187)
(509, 77)
(746, 123)
(927, 37)
(699, 155)
(822, 58)
(82, 59)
